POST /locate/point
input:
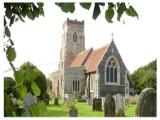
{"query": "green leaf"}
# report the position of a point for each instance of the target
(38, 109)
(40, 5)
(109, 13)
(22, 91)
(30, 15)
(86, 5)
(66, 7)
(96, 11)
(10, 54)
(11, 42)
(131, 12)
(19, 76)
(7, 32)
(120, 10)
(35, 89)
(5, 21)
(12, 20)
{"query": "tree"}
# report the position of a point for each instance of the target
(145, 76)
(120, 8)
(34, 80)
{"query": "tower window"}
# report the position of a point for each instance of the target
(74, 37)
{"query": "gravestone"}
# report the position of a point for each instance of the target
(56, 101)
(97, 104)
(146, 106)
(119, 102)
(109, 106)
(28, 101)
(94, 103)
(46, 99)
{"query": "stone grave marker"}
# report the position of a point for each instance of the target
(119, 102)
(27, 102)
(97, 104)
(109, 106)
(146, 106)
(46, 99)
(56, 101)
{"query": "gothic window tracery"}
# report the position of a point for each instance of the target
(111, 71)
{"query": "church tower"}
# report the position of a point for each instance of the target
(73, 42)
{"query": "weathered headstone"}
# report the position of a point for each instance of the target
(109, 106)
(46, 99)
(56, 101)
(27, 102)
(146, 106)
(119, 100)
(97, 104)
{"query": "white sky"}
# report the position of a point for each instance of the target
(39, 41)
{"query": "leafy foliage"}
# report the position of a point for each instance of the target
(8, 84)
(38, 109)
(8, 106)
(66, 7)
(109, 12)
(118, 7)
(86, 5)
(34, 79)
(11, 54)
(22, 91)
(35, 89)
(145, 77)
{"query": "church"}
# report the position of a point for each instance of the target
(90, 72)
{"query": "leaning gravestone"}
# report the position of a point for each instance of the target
(28, 101)
(119, 100)
(46, 99)
(109, 106)
(146, 106)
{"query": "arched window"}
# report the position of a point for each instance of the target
(111, 71)
(74, 37)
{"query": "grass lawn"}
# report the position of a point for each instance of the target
(84, 110)
(130, 110)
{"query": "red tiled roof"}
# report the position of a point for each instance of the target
(80, 58)
(94, 59)
(89, 58)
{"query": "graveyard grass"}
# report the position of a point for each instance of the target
(84, 110)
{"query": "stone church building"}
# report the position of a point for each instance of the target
(91, 72)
